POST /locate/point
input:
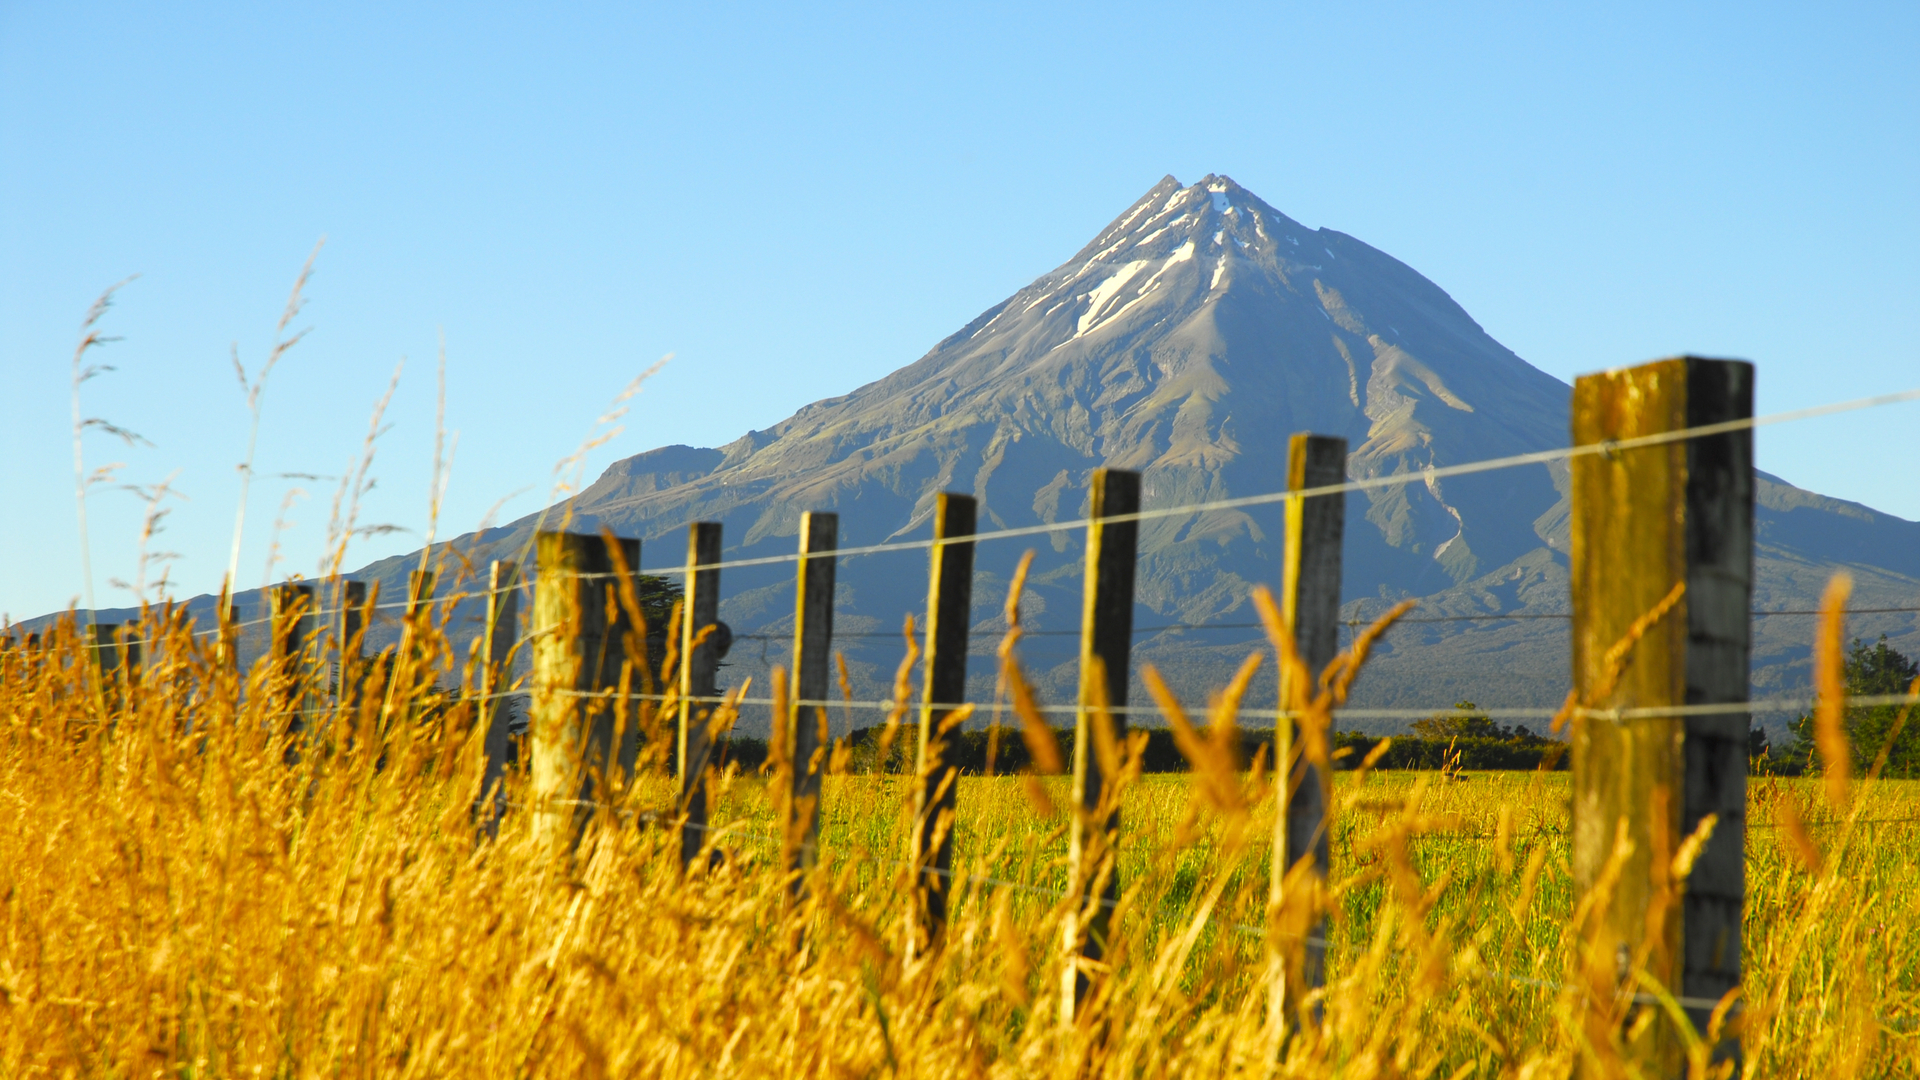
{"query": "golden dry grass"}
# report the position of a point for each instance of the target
(178, 900)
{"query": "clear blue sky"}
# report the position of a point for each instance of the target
(795, 203)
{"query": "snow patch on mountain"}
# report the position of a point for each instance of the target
(1104, 293)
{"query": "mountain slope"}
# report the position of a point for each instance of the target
(1188, 340)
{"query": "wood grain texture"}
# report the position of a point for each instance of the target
(700, 608)
(570, 730)
(1645, 520)
(1310, 611)
(949, 618)
(1106, 640)
(812, 667)
(349, 650)
(496, 676)
(290, 640)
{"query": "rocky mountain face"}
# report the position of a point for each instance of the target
(1187, 341)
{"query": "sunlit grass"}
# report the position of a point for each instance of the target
(177, 900)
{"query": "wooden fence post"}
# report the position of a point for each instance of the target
(116, 657)
(291, 637)
(622, 745)
(616, 678)
(351, 645)
(226, 618)
(123, 645)
(571, 727)
(700, 608)
(1645, 520)
(1310, 611)
(949, 618)
(408, 658)
(807, 721)
(496, 675)
(349, 658)
(419, 613)
(1106, 640)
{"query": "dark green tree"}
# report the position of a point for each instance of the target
(657, 595)
(1467, 722)
(1872, 670)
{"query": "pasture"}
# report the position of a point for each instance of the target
(180, 899)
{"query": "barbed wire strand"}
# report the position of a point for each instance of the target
(1427, 475)
(1606, 448)
(1026, 633)
(1782, 704)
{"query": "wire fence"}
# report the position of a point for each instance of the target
(1426, 475)
(1421, 476)
(1783, 704)
(866, 856)
(1157, 628)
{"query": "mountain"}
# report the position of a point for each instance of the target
(1188, 340)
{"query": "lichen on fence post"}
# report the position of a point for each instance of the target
(1310, 614)
(1106, 639)
(807, 717)
(700, 609)
(949, 617)
(1662, 570)
(290, 676)
(502, 632)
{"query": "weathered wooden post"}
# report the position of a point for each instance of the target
(1645, 520)
(226, 618)
(350, 635)
(1310, 612)
(401, 671)
(496, 675)
(105, 649)
(611, 658)
(418, 618)
(700, 608)
(807, 720)
(571, 728)
(291, 637)
(1106, 640)
(350, 647)
(116, 659)
(117, 647)
(576, 669)
(949, 617)
(617, 678)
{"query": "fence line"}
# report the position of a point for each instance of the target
(1626, 515)
(1268, 498)
(463, 597)
(1782, 704)
(865, 856)
(1537, 457)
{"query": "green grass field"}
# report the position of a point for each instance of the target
(1490, 851)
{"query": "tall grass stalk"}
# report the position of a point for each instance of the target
(179, 900)
(91, 338)
(254, 387)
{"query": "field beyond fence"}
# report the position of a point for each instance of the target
(182, 898)
(328, 863)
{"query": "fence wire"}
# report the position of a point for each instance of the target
(1605, 448)
(1782, 704)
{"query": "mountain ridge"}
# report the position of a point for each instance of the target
(1188, 340)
